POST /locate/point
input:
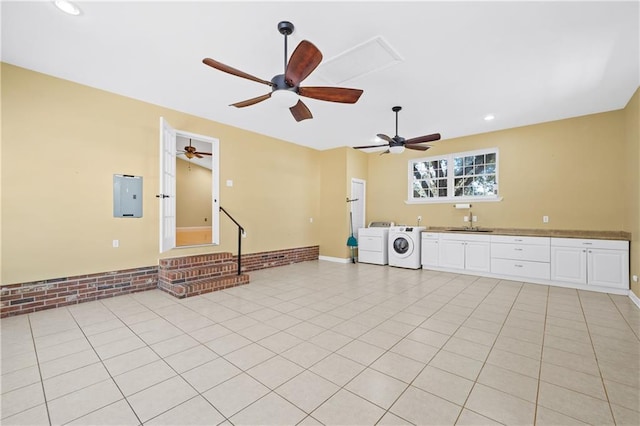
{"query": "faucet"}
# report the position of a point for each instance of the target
(470, 227)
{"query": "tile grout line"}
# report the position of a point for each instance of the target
(35, 350)
(162, 381)
(105, 367)
(544, 329)
(604, 387)
(484, 363)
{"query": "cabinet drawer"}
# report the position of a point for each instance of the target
(514, 239)
(585, 243)
(465, 237)
(430, 236)
(521, 268)
(536, 253)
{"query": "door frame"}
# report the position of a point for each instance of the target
(167, 190)
(361, 201)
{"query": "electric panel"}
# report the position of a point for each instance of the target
(127, 196)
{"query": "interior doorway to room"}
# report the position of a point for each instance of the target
(357, 204)
(189, 189)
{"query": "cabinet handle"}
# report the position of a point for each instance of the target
(518, 266)
(587, 244)
(517, 249)
(584, 251)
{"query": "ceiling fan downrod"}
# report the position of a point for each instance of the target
(396, 109)
(286, 29)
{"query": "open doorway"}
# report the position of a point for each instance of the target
(189, 188)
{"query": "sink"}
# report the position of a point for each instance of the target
(469, 230)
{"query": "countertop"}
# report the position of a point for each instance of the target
(558, 233)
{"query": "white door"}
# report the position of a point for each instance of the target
(569, 264)
(451, 254)
(167, 186)
(606, 268)
(429, 253)
(357, 205)
(477, 256)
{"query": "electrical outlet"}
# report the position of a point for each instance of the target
(244, 234)
(419, 219)
(545, 219)
(635, 278)
(466, 218)
(229, 183)
(475, 218)
(116, 243)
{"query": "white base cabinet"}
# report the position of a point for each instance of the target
(523, 257)
(601, 265)
(592, 262)
(467, 252)
(430, 249)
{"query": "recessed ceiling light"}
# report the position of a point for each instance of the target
(489, 117)
(67, 7)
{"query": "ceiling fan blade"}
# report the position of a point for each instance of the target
(417, 147)
(331, 94)
(229, 70)
(197, 154)
(385, 152)
(303, 61)
(252, 101)
(203, 153)
(300, 111)
(385, 138)
(370, 146)
(422, 139)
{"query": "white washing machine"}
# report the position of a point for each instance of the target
(404, 246)
(373, 243)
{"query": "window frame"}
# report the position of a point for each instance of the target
(450, 178)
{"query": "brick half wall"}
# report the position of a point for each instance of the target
(24, 298)
(270, 259)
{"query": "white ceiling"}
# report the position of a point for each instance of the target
(524, 62)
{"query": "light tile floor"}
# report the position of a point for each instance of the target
(335, 344)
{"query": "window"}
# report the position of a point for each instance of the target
(454, 177)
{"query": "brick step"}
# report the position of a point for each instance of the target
(196, 273)
(187, 262)
(202, 286)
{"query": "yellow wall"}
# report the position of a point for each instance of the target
(632, 183)
(570, 170)
(61, 144)
(193, 195)
(333, 224)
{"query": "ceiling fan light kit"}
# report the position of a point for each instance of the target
(286, 87)
(285, 98)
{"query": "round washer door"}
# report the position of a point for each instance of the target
(402, 246)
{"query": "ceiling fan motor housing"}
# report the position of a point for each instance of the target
(279, 83)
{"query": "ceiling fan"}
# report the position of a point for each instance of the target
(285, 88)
(397, 144)
(191, 151)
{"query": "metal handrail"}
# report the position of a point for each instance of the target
(240, 232)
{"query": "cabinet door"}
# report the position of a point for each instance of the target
(607, 268)
(429, 252)
(569, 264)
(451, 254)
(477, 256)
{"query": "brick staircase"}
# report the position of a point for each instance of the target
(193, 275)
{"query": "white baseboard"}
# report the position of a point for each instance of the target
(334, 259)
(635, 299)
